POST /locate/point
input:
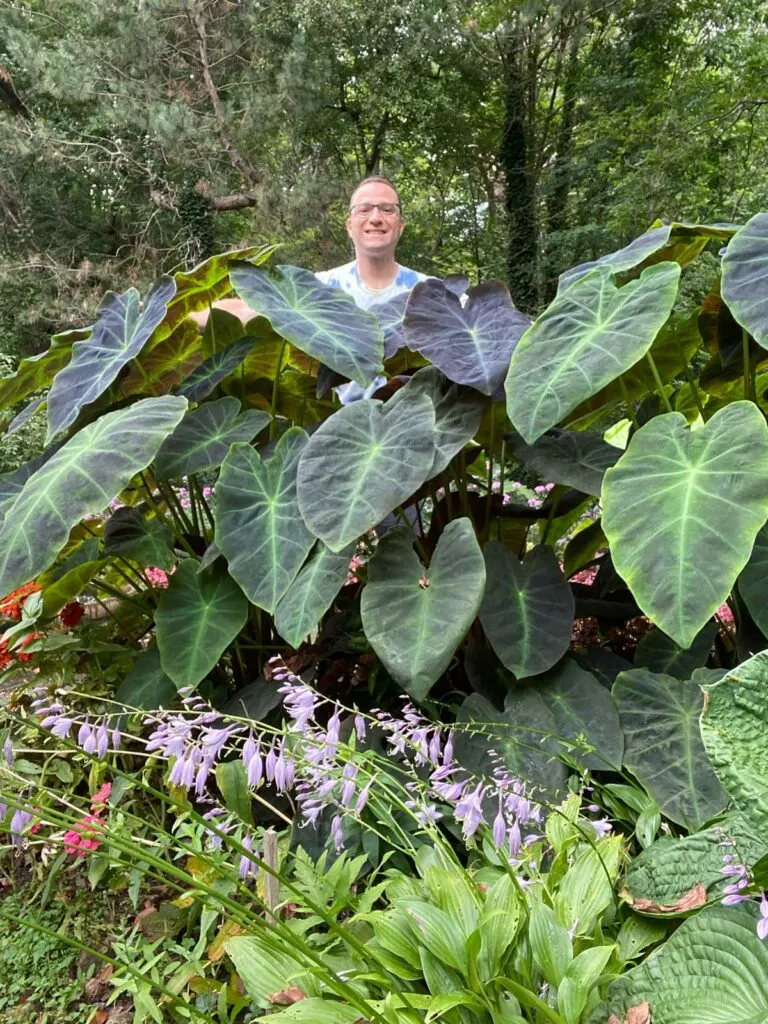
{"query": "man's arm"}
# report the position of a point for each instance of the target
(237, 307)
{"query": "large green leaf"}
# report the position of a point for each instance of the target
(745, 277)
(37, 372)
(146, 686)
(205, 377)
(459, 412)
(122, 329)
(324, 322)
(659, 653)
(232, 780)
(527, 610)
(312, 592)
(259, 528)
(662, 745)
(11, 484)
(414, 617)
(197, 618)
(681, 510)
(567, 457)
(471, 344)
(753, 582)
(734, 727)
(157, 371)
(264, 968)
(713, 970)
(202, 439)
(586, 338)
(132, 535)
(81, 478)
(363, 462)
(69, 586)
(523, 734)
(666, 876)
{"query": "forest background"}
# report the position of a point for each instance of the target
(142, 136)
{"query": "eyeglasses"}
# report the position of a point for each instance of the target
(366, 209)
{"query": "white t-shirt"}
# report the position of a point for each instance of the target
(348, 279)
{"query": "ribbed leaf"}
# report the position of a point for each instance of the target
(259, 528)
(11, 484)
(157, 371)
(324, 322)
(662, 745)
(197, 618)
(586, 338)
(37, 372)
(659, 653)
(362, 463)
(264, 968)
(312, 593)
(201, 382)
(753, 582)
(438, 932)
(527, 610)
(470, 344)
(146, 541)
(415, 618)
(122, 329)
(672, 500)
(567, 457)
(69, 586)
(81, 478)
(745, 277)
(202, 439)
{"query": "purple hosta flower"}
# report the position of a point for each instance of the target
(602, 827)
(412, 734)
(337, 833)
(285, 771)
(300, 700)
(3, 811)
(762, 924)
(469, 810)
(349, 785)
(514, 839)
(19, 822)
(102, 740)
(500, 825)
(425, 814)
(362, 799)
(733, 892)
(117, 738)
(8, 752)
(360, 728)
(62, 727)
(252, 760)
(269, 763)
(84, 733)
(248, 866)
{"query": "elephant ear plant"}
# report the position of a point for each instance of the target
(209, 490)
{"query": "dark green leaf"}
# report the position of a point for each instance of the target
(146, 686)
(567, 457)
(753, 582)
(69, 586)
(311, 594)
(201, 382)
(583, 547)
(745, 277)
(202, 439)
(132, 535)
(232, 780)
(36, 372)
(657, 652)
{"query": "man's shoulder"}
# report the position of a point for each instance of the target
(407, 278)
(338, 277)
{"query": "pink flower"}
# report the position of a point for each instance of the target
(81, 840)
(157, 577)
(102, 794)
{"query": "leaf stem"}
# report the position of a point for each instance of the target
(628, 403)
(659, 385)
(276, 391)
(749, 394)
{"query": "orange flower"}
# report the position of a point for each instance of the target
(11, 605)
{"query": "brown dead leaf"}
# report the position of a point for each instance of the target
(216, 949)
(691, 900)
(149, 908)
(99, 1017)
(287, 996)
(640, 1014)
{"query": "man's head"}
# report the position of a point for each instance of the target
(375, 221)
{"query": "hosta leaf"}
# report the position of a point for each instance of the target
(318, 1011)
(415, 618)
(753, 582)
(662, 745)
(201, 382)
(81, 478)
(438, 932)
(733, 727)
(527, 610)
(132, 535)
(712, 970)
(197, 618)
(567, 457)
(657, 652)
(259, 528)
(122, 329)
(665, 877)
(670, 502)
(146, 686)
(745, 277)
(470, 344)
(37, 372)
(232, 780)
(324, 322)
(69, 586)
(459, 412)
(363, 462)
(586, 338)
(523, 734)
(312, 593)
(202, 439)
(264, 967)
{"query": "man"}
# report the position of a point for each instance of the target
(375, 224)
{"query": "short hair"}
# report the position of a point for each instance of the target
(382, 181)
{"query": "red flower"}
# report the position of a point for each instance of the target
(71, 614)
(11, 605)
(81, 840)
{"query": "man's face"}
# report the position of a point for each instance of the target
(376, 233)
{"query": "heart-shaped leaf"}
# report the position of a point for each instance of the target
(259, 528)
(391, 317)
(81, 478)
(146, 541)
(122, 329)
(415, 618)
(168, 364)
(753, 582)
(37, 372)
(471, 344)
(567, 457)
(733, 727)
(26, 414)
(201, 382)
(669, 502)
(662, 745)
(197, 618)
(527, 611)
(202, 439)
(745, 277)
(322, 321)
(69, 586)
(363, 462)
(659, 653)
(712, 970)
(586, 338)
(312, 592)
(146, 686)
(459, 411)
(12, 483)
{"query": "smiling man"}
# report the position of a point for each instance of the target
(375, 224)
